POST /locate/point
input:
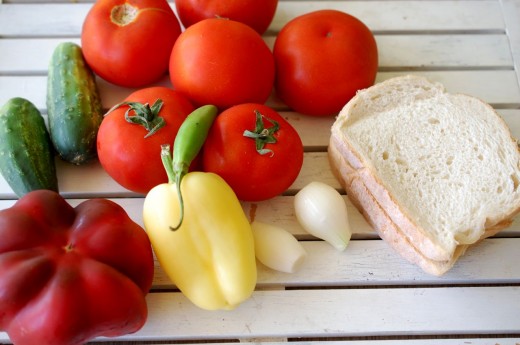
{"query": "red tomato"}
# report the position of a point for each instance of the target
(127, 156)
(222, 62)
(128, 42)
(322, 59)
(232, 155)
(258, 14)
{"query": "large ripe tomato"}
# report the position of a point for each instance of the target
(128, 42)
(322, 59)
(127, 156)
(222, 62)
(258, 14)
(253, 175)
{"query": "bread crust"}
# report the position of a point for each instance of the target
(388, 231)
(382, 211)
(414, 233)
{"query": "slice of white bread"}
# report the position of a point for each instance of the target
(433, 172)
(387, 230)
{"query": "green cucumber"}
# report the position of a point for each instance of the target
(73, 104)
(26, 152)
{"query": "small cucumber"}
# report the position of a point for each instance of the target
(26, 153)
(73, 104)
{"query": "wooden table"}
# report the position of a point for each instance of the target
(366, 294)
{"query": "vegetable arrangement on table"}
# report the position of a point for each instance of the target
(228, 147)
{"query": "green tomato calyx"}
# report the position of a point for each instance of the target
(144, 115)
(263, 135)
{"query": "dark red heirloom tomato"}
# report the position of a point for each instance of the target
(68, 274)
(255, 150)
(322, 59)
(128, 42)
(222, 62)
(258, 14)
(128, 151)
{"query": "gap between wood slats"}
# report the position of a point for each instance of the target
(354, 287)
(381, 69)
(453, 339)
(270, 33)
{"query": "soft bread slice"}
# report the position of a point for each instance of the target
(387, 230)
(443, 168)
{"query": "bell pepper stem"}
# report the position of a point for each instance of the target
(175, 175)
(167, 159)
(179, 171)
(181, 202)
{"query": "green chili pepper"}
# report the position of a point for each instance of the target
(188, 142)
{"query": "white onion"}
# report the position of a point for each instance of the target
(277, 248)
(322, 212)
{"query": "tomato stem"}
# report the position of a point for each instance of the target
(144, 115)
(123, 14)
(263, 135)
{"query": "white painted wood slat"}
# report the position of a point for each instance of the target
(32, 20)
(364, 262)
(372, 263)
(497, 87)
(31, 56)
(511, 10)
(343, 313)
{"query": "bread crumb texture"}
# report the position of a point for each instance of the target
(448, 159)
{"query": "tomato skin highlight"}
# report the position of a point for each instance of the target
(130, 159)
(134, 53)
(258, 14)
(222, 62)
(322, 59)
(233, 156)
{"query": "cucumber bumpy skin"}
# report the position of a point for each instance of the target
(26, 152)
(73, 105)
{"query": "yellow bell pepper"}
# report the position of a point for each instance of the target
(199, 231)
(211, 256)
